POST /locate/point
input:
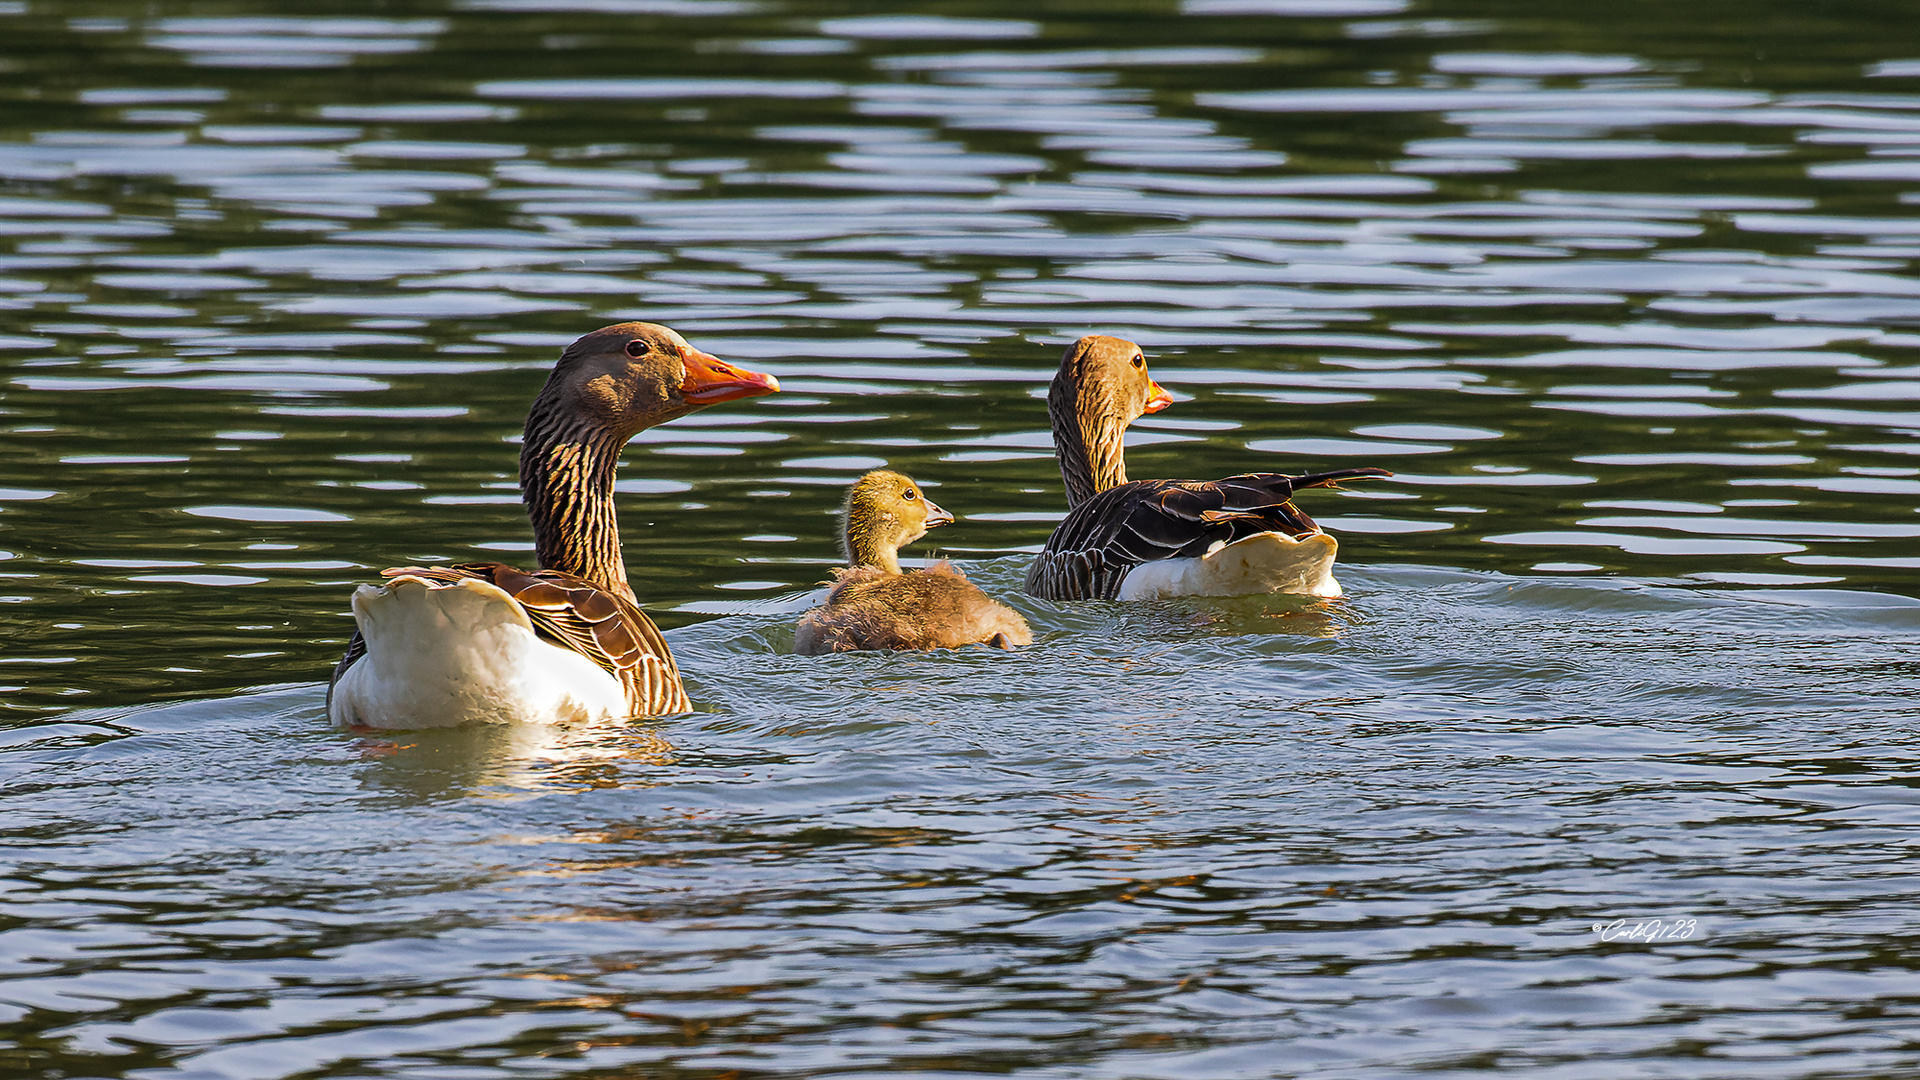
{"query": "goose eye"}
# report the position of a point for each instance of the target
(636, 348)
(1139, 360)
(908, 495)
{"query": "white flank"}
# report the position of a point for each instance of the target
(1262, 563)
(444, 655)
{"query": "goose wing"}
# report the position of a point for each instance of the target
(604, 627)
(1092, 550)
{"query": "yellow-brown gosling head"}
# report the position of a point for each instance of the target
(886, 511)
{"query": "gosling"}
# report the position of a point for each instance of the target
(875, 606)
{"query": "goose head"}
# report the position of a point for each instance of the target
(1106, 378)
(622, 379)
(1101, 387)
(886, 511)
(606, 388)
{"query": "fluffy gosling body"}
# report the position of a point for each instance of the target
(873, 605)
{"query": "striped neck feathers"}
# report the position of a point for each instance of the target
(1089, 437)
(566, 479)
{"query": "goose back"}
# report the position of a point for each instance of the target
(1103, 539)
(601, 625)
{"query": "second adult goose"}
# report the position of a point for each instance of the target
(484, 642)
(874, 606)
(1146, 539)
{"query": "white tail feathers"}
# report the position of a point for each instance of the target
(1261, 563)
(439, 655)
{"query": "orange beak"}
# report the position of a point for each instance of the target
(1157, 398)
(711, 380)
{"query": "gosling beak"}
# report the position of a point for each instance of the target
(711, 380)
(937, 516)
(1157, 398)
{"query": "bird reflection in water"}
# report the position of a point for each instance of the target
(515, 757)
(1278, 613)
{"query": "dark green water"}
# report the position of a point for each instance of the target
(1626, 299)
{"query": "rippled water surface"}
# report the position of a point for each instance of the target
(1627, 301)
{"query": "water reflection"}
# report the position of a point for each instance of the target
(1290, 840)
(431, 765)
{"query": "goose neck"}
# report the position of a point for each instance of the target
(566, 481)
(1090, 444)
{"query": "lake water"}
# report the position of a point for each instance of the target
(1627, 301)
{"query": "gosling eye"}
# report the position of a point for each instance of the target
(1139, 360)
(908, 495)
(637, 348)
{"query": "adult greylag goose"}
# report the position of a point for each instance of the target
(873, 605)
(484, 642)
(1147, 539)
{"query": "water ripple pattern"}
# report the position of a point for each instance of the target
(1627, 305)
